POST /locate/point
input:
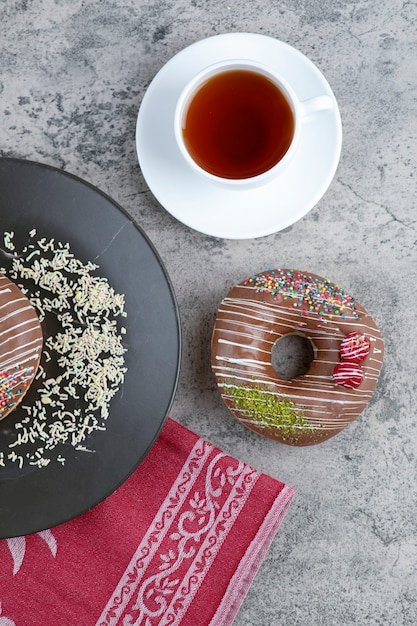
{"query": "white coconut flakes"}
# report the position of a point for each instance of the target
(87, 348)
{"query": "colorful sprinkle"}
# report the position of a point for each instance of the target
(318, 294)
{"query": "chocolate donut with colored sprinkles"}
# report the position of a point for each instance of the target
(311, 408)
(21, 343)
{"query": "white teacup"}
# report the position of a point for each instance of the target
(264, 100)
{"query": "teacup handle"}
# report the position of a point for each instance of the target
(313, 105)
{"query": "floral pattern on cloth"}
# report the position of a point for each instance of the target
(178, 544)
(5, 621)
(176, 553)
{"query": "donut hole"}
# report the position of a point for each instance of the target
(292, 356)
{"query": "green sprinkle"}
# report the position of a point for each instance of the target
(264, 409)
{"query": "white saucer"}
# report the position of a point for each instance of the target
(211, 208)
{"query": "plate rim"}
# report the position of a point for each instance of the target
(61, 519)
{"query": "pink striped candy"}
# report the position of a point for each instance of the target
(348, 374)
(355, 348)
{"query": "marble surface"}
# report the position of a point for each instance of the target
(72, 77)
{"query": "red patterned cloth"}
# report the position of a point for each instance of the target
(179, 543)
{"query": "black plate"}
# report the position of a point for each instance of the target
(62, 206)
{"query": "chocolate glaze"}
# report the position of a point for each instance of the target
(248, 324)
(20, 345)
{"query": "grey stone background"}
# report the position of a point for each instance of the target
(72, 76)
